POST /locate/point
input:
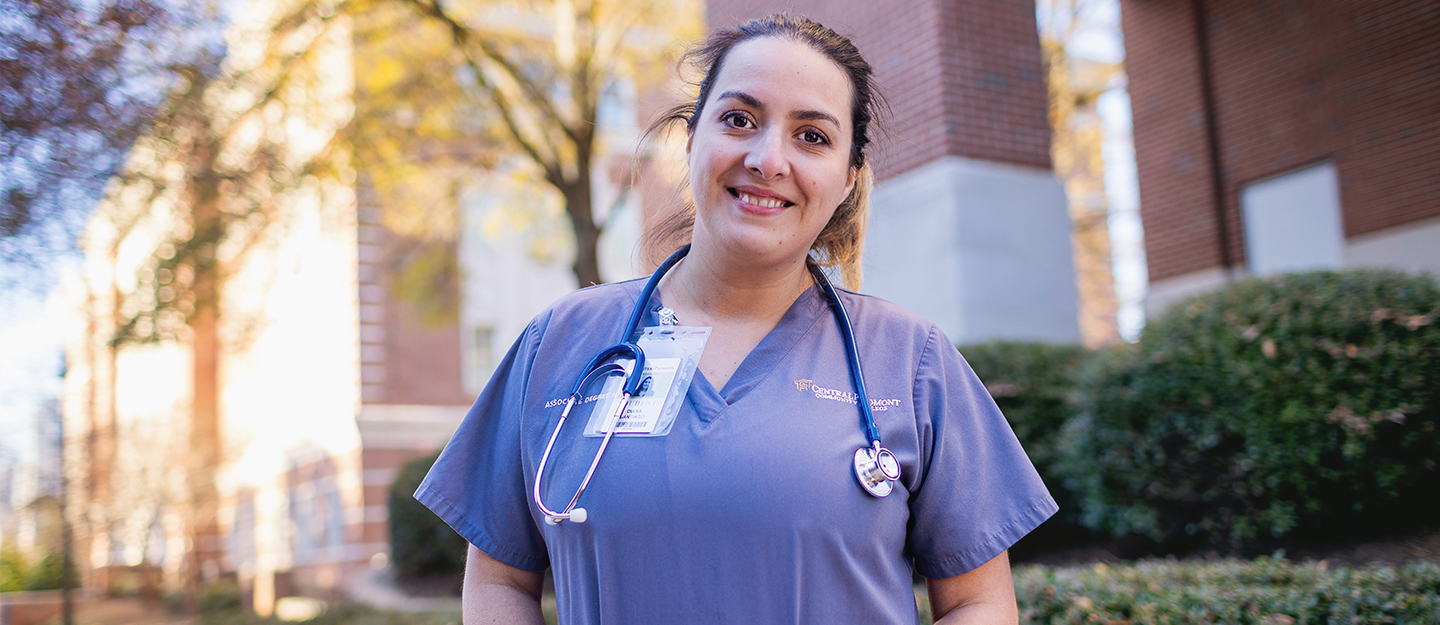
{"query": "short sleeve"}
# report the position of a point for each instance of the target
(979, 492)
(478, 483)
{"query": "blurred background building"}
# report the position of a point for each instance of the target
(1284, 136)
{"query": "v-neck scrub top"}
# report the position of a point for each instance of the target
(749, 509)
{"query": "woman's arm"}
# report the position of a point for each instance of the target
(496, 592)
(985, 594)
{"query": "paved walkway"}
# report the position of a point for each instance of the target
(376, 588)
(102, 610)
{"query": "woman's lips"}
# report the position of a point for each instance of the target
(763, 200)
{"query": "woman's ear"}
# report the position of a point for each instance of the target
(850, 180)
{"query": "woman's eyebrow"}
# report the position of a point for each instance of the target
(810, 116)
(802, 115)
(744, 98)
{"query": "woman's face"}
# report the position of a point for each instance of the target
(770, 153)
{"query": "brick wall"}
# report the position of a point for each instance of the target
(404, 359)
(962, 77)
(1296, 82)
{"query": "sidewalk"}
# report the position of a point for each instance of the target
(376, 588)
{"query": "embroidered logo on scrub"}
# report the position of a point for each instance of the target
(843, 396)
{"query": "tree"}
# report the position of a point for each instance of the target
(543, 66)
(78, 83)
(1074, 85)
(205, 186)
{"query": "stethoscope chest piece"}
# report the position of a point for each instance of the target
(877, 470)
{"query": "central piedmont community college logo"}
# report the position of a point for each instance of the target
(843, 396)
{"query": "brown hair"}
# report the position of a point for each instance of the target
(842, 240)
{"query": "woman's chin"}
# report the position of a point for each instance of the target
(763, 249)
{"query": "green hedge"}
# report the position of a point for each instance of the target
(14, 571)
(421, 545)
(1262, 592)
(16, 574)
(1304, 405)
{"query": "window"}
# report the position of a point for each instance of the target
(1293, 222)
(480, 357)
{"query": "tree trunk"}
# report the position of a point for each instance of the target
(204, 449)
(587, 233)
(204, 442)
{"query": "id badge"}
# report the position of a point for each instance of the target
(672, 353)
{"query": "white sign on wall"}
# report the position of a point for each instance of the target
(1293, 222)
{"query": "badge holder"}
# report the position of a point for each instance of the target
(672, 354)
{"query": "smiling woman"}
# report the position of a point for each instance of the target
(769, 156)
(748, 507)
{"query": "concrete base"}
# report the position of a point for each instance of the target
(1413, 247)
(982, 249)
(1163, 294)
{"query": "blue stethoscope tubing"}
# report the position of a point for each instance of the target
(875, 467)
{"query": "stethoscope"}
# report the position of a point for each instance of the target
(875, 467)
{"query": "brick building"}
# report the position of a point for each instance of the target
(1279, 136)
(969, 226)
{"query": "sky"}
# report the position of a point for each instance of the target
(31, 335)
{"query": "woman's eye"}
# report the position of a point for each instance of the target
(814, 138)
(737, 120)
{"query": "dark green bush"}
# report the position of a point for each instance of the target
(1261, 592)
(48, 574)
(1304, 405)
(421, 545)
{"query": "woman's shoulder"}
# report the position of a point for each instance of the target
(599, 302)
(874, 313)
(883, 322)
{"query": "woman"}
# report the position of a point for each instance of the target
(747, 510)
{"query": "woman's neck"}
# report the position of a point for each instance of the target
(740, 303)
(720, 290)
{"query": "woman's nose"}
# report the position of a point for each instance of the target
(767, 158)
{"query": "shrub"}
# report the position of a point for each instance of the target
(1264, 592)
(221, 597)
(1304, 405)
(14, 573)
(48, 574)
(421, 545)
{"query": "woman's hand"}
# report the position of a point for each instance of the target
(496, 592)
(985, 594)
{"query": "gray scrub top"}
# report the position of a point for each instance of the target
(748, 510)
